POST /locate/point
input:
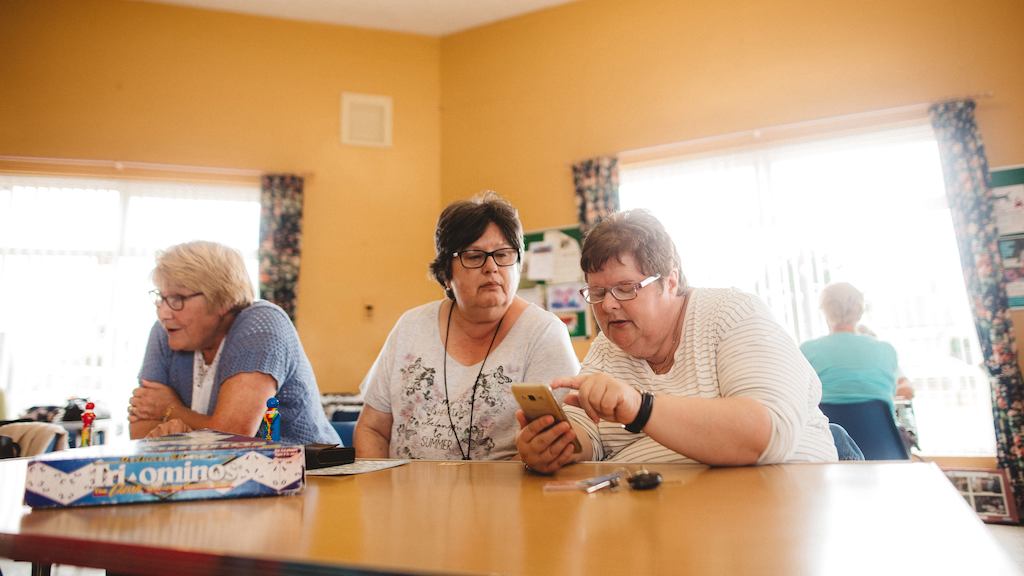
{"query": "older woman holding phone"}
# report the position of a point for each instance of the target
(441, 387)
(678, 374)
(215, 355)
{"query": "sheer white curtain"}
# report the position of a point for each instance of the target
(783, 221)
(75, 262)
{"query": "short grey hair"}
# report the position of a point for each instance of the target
(216, 270)
(842, 303)
(635, 232)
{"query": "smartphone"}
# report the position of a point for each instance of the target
(536, 400)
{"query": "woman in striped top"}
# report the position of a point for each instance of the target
(678, 374)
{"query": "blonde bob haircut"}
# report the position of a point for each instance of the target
(216, 270)
(842, 304)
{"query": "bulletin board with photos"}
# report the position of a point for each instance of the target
(1008, 191)
(552, 278)
(987, 491)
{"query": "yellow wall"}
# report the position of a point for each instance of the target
(508, 106)
(134, 81)
(524, 99)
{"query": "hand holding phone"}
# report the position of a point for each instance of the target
(537, 400)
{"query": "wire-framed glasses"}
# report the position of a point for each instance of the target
(476, 258)
(175, 302)
(624, 291)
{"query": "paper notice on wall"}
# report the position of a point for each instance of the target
(540, 261)
(533, 295)
(1009, 209)
(566, 261)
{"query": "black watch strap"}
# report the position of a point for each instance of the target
(643, 414)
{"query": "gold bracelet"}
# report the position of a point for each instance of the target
(167, 414)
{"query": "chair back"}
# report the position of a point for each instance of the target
(36, 438)
(871, 426)
(9, 448)
(344, 428)
(345, 415)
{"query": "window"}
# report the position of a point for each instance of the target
(870, 209)
(75, 263)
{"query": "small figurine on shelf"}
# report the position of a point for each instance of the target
(88, 416)
(270, 428)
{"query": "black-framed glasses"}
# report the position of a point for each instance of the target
(175, 302)
(477, 258)
(624, 291)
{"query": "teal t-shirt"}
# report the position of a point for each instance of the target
(853, 368)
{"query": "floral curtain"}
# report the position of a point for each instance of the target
(280, 239)
(597, 189)
(967, 187)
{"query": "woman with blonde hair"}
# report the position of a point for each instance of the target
(215, 356)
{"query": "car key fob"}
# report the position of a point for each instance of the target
(644, 480)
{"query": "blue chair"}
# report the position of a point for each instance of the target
(345, 415)
(344, 429)
(845, 446)
(871, 426)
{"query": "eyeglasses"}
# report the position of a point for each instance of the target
(175, 302)
(477, 258)
(624, 291)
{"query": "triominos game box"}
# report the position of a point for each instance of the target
(194, 466)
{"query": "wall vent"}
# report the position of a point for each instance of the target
(365, 119)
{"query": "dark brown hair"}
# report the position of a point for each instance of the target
(463, 222)
(635, 232)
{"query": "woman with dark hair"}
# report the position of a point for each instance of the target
(440, 388)
(678, 374)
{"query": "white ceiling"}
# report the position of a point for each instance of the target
(429, 17)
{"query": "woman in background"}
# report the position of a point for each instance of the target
(215, 356)
(853, 367)
(441, 387)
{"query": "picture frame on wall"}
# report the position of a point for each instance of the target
(987, 492)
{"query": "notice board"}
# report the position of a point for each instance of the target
(552, 277)
(1008, 192)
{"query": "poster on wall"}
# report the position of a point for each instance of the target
(1008, 207)
(566, 302)
(1010, 249)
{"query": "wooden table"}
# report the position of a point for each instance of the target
(434, 517)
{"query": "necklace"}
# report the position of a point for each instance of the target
(472, 399)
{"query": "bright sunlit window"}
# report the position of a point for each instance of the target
(75, 263)
(784, 221)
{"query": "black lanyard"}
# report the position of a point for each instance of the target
(472, 399)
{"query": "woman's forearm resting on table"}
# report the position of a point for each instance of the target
(718, 431)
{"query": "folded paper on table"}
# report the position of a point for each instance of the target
(358, 467)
